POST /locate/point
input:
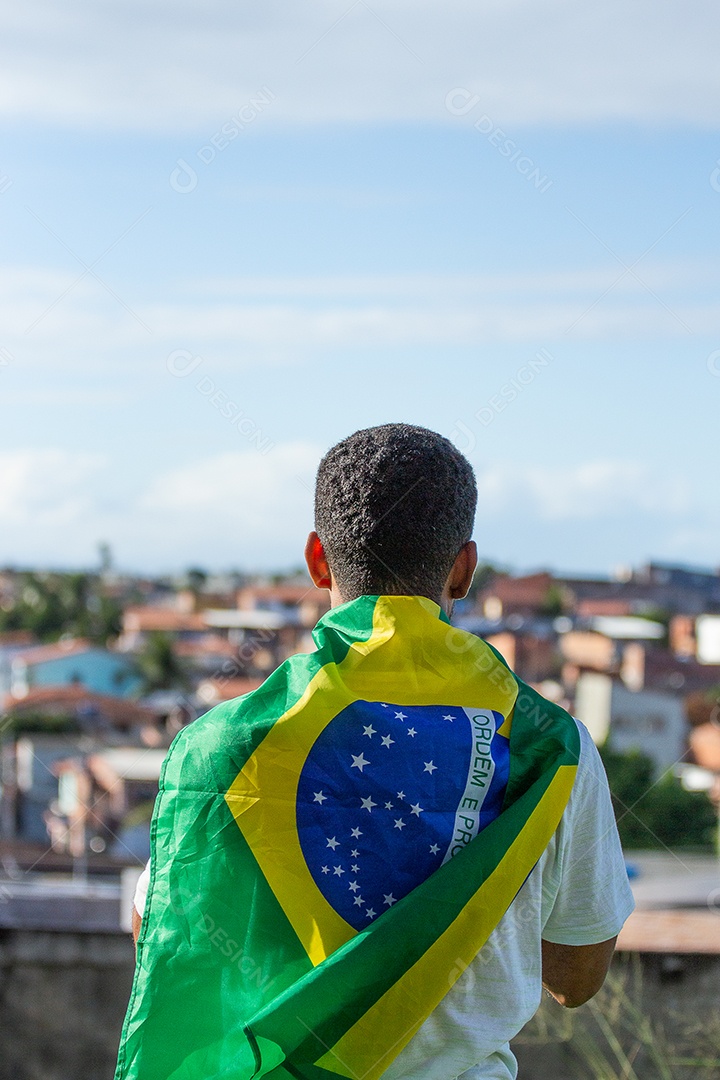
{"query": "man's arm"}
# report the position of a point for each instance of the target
(574, 973)
(139, 901)
(136, 924)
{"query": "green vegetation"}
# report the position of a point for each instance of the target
(656, 813)
(49, 605)
(25, 723)
(554, 601)
(159, 666)
(138, 815)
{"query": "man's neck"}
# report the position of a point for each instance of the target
(336, 599)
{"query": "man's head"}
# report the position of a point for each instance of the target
(394, 510)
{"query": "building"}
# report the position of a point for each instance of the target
(104, 802)
(533, 594)
(66, 663)
(650, 721)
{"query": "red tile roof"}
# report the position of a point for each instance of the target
(118, 710)
(283, 594)
(17, 637)
(39, 654)
(160, 618)
(531, 589)
(214, 690)
(604, 606)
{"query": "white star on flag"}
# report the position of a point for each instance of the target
(359, 761)
(326, 869)
(338, 870)
(369, 731)
(400, 716)
(356, 833)
(399, 823)
(387, 741)
(354, 886)
(434, 849)
(416, 809)
(412, 731)
(355, 869)
(358, 901)
(370, 913)
(388, 806)
(389, 899)
(430, 767)
(333, 842)
(448, 717)
(319, 797)
(401, 794)
(354, 853)
(367, 804)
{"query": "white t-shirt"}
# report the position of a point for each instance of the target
(577, 894)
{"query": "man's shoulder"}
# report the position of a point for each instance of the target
(590, 766)
(214, 747)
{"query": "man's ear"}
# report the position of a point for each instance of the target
(317, 563)
(462, 572)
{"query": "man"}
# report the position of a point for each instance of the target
(369, 866)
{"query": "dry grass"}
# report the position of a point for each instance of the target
(616, 1037)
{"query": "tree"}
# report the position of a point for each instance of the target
(159, 666)
(656, 814)
(49, 605)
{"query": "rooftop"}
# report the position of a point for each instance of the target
(39, 654)
(75, 698)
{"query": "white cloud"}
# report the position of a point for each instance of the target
(44, 489)
(185, 67)
(251, 507)
(240, 486)
(245, 507)
(49, 320)
(582, 491)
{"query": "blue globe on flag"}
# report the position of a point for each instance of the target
(389, 793)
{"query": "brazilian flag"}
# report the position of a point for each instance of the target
(331, 851)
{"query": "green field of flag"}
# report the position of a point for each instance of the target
(271, 947)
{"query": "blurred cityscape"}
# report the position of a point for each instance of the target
(100, 670)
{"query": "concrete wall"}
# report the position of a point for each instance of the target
(62, 1002)
(63, 998)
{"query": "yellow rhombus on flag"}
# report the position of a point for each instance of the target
(330, 851)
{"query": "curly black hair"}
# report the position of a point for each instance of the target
(394, 505)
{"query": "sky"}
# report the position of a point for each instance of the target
(230, 236)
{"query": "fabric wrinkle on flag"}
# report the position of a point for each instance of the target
(321, 836)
